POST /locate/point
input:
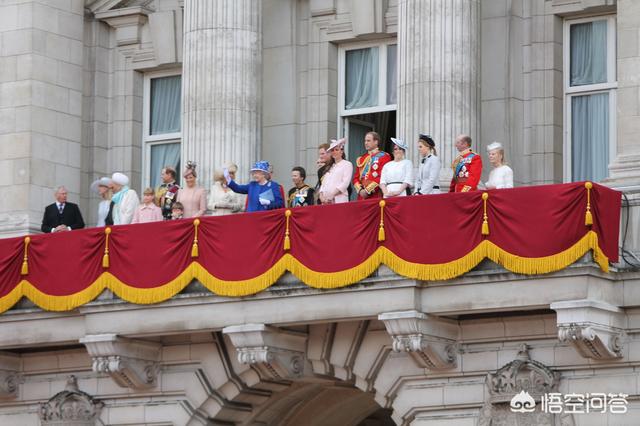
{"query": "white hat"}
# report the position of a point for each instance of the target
(103, 181)
(335, 143)
(120, 179)
(399, 143)
(494, 145)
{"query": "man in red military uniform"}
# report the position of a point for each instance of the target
(366, 179)
(467, 167)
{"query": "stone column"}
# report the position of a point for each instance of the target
(438, 73)
(221, 84)
(625, 168)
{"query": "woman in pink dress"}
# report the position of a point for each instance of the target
(192, 196)
(335, 183)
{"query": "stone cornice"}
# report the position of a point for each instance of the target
(9, 375)
(131, 363)
(430, 341)
(277, 354)
(127, 22)
(595, 329)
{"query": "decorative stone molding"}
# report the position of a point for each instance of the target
(9, 375)
(578, 6)
(71, 407)
(128, 23)
(594, 328)
(527, 377)
(322, 7)
(430, 341)
(130, 363)
(275, 353)
(521, 374)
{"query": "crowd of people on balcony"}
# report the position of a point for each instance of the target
(377, 175)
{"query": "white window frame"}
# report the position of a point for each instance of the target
(149, 140)
(382, 106)
(589, 89)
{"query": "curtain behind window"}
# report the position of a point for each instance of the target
(165, 105)
(166, 154)
(392, 74)
(361, 79)
(588, 53)
(589, 137)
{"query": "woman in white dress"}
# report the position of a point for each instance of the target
(222, 200)
(397, 175)
(335, 183)
(501, 175)
(427, 181)
(101, 187)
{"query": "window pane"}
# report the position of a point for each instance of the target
(590, 137)
(165, 105)
(162, 155)
(361, 79)
(588, 53)
(392, 75)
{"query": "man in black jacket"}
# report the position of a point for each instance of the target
(61, 215)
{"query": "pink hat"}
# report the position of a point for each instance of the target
(336, 143)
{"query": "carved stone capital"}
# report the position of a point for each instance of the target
(128, 23)
(276, 354)
(70, 407)
(431, 341)
(131, 363)
(594, 328)
(9, 375)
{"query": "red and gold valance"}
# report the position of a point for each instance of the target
(529, 230)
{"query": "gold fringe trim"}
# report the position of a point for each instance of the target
(324, 280)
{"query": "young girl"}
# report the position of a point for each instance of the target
(177, 211)
(147, 211)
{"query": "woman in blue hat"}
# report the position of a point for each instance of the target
(262, 193)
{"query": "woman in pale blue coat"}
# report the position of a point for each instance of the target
(427, 181)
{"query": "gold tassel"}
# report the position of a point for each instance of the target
(287, 240)
(485, 223)
(194, 248)
(588, 217)
(105, 257)
(381, 234)
(25, 264)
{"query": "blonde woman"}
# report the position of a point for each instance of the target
(222, 200)
(429, 169)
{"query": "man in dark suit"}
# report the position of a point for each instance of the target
(61, 215)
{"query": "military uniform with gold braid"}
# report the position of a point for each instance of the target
(467, 168)
(166, 194)
(368, 171)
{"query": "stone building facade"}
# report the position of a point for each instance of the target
(88, 87)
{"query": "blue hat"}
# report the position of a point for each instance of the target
(399, 143)
(261, 166)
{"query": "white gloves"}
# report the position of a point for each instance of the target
(264, 201)
(227, 177)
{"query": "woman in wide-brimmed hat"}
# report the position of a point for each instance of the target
(336, 181)
(101, 187)
(397, 175)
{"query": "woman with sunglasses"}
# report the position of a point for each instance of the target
(335, 183)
